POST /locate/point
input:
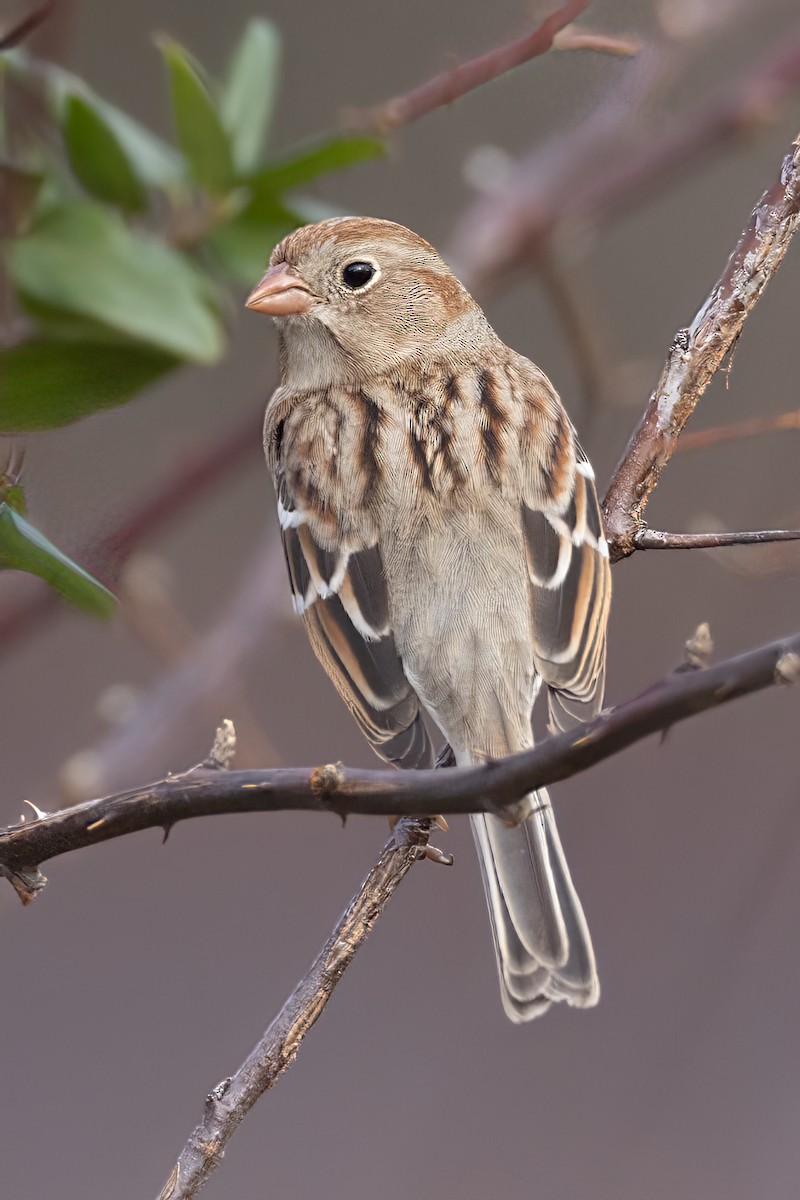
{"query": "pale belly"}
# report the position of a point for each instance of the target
(461, 619)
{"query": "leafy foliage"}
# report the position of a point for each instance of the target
(122, 240)
(122, 247)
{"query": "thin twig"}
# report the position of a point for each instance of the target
(496, 787)
(230, 1101)
(653, 539)
(697, 353)
(741, 429)
(466, 77)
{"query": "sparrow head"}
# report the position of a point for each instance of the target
(357, 295)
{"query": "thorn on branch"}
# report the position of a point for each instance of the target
(27, 883)
(698, 650)
(224, 747)
(217, 1094)
(326, 781)
(40, 812)
(787, 668)
(435, 855)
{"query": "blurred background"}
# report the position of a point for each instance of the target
(144, 973)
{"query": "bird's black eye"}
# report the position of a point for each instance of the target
(358, 274)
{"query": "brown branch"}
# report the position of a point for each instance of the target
(495, 787)
(466, 77)
(230, 1101)
(652, 539)
(697, 353)
(742, 429)
(201, 469)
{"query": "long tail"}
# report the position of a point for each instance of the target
(544, 952)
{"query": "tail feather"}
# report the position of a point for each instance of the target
(544, 952)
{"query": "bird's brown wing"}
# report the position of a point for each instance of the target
(341, 594)
(570, 577)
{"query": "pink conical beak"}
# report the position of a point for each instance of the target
(280, 293)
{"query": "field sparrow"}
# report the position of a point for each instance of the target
(445, 548)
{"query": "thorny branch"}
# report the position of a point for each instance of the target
(697, 353)
(496, 787)
(231, 1100)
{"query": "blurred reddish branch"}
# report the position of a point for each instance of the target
(495, 787)
(742, 429)
(24, 28)
(697, 353)
(595, 173)
(196, 474)
(451, 85)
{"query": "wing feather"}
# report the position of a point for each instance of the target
(570, 578)
(342, 596)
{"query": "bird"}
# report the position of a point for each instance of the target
(445, 549)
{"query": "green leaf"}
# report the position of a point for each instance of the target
(24, 548)
(155, 162)
(82, 260)
(307, 163)
(201, 135)
(98, 158)
(45, 384)
(249, 97)
(15, 498)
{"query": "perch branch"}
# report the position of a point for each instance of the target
(494, 787)
(230, 1101)
(697, 353)
(451, 85)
